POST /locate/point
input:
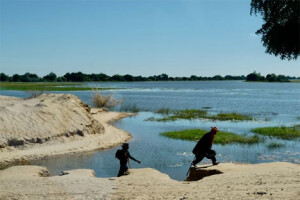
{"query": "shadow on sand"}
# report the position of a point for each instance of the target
(197, 173)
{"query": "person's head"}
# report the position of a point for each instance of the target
(125, 146)
(214, 130)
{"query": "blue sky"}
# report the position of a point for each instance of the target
(138, 37)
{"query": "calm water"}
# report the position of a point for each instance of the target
(273, 104)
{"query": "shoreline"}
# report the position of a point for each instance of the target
(104, 136)
(277, 180)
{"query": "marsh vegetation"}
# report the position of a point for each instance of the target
(190, 114)
(282, 132)
(47, 86)
(221, 137)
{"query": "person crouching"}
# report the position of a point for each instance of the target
(203, 148)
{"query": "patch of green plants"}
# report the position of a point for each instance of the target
(46, 86)
(275, 145)
(282, 132)
(179, 114)
(230, 116)
(172, 115)
(164, 111)
(220, 138)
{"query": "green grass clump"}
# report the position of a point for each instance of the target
(275, 145)
(190, 114)
(280, 132)
(164, 111)
(230, 116)
(220, 138)
(46, 86)
(179, 114)
(172, 115)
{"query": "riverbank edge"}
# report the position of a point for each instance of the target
(111, 137)
(277, 180)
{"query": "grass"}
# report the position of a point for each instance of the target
(230, 116)
(164, 111)
(295, 81)
(130, 108)
(282, 132)
(100, 100)
(172, 115)
(220, 138)
(46, 86)
(275, 145)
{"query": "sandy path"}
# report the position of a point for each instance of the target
(278, 180)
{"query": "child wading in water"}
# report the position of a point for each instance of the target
(123, 155)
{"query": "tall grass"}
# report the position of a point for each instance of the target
(220, 138)
(34, 94)
(280, 132)
(108, 101)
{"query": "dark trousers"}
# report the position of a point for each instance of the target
(123, 169)
(210, 154)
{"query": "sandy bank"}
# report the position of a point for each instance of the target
(53, 124)
(278, 180)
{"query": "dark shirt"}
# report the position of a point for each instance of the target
(124, 156)
(204, 144)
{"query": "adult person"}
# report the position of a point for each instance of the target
(203, 147)
(123, 155)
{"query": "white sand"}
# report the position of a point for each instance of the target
(276, 181)
(54, 124)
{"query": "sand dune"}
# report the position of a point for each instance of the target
(53, 124)
(237, 181)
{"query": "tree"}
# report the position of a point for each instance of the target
(128, 77)
(255, 77)
(28, 77)
(76, 77)
(3, 77)
(271, 77)
(50, 77)
(281, 30)
(16, 78)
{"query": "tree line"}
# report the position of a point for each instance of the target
(101, 77)
(254, 76)
(81, 77)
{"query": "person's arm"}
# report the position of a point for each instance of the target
(132, 158)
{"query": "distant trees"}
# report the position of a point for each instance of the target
(4, 77)
(28, 77)
(81, 77)
(255, 77)
(50, 77)
(281, 30)
(269, 78)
